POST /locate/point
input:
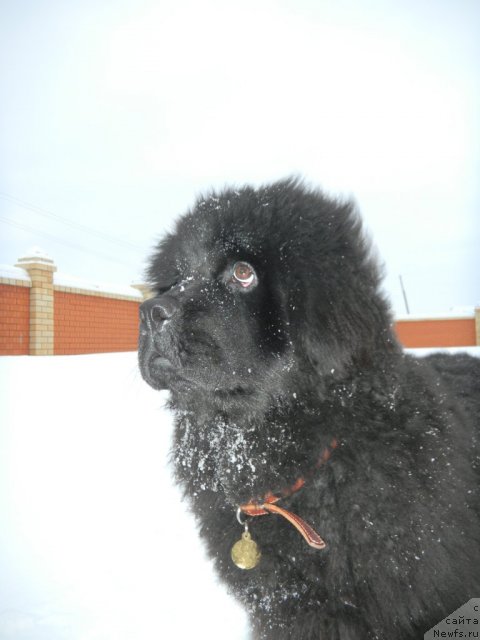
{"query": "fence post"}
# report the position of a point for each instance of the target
(40, 268)
(144, 290)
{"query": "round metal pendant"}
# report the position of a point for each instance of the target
(245, 553)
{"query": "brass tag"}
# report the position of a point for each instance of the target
(245, 553)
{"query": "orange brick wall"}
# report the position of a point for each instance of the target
(14, 320)
(446, 332)
(93, 324)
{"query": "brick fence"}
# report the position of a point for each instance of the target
(452, 331)
(14, 317)
(45, 313)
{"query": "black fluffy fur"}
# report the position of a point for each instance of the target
(263, 378)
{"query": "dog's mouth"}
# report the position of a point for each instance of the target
(168, 371)
(161, 372)
(159, 363)
(156, 369)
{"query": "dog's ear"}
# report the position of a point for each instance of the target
(338, 332)
(340, 311)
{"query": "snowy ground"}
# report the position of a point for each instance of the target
(94, 541)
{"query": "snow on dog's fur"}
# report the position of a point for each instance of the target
(269, 328)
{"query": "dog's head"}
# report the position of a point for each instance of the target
(256, 287)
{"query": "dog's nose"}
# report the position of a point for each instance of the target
(155, 310)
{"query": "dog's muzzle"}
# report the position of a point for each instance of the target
(155, 313)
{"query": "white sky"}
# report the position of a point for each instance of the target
(115, 114)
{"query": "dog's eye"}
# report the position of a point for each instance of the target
(244, 274)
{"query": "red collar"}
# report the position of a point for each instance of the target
(268, 504)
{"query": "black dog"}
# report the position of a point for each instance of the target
(293, 398)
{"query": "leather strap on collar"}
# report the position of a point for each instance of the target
(268, 504)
